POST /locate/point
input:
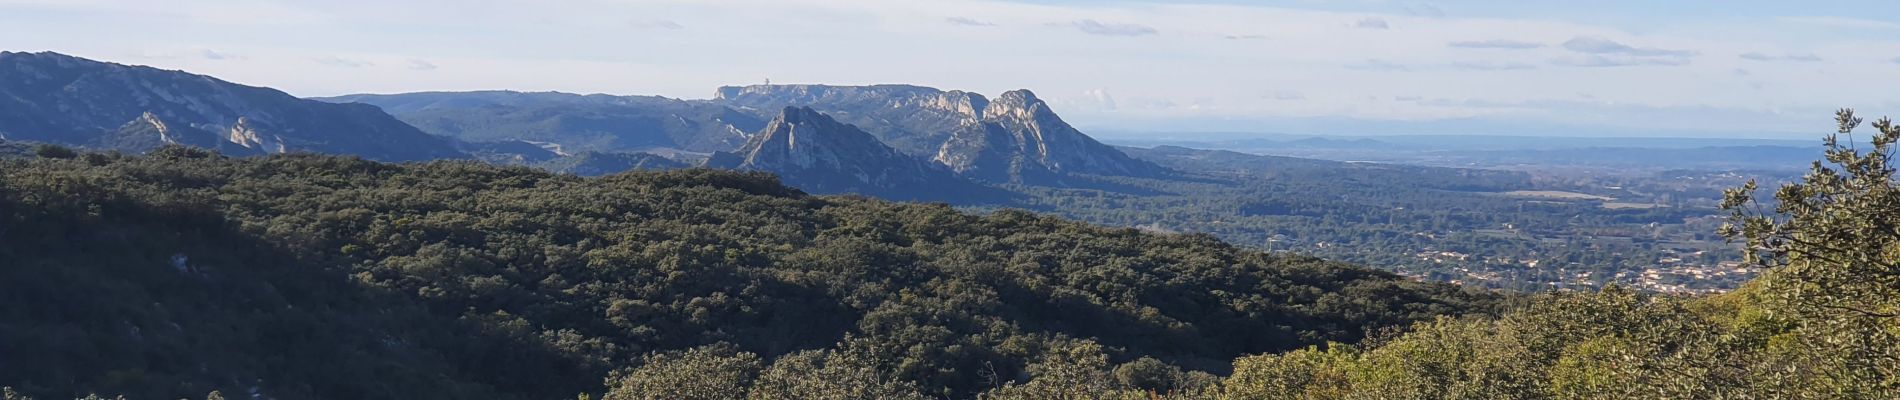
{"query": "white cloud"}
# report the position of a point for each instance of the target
(1492, 66)
(335, 61)
(1594, 60)
(965, 21)
(658, 24)
(1425, 10)
(1379, 65)
(210, 54)
(1598, 45)
(1506, 44)
(1372, 23)
(1842, 22)
(1093, 100)
(1284, 96)
(1806, 57)
(1094, 27)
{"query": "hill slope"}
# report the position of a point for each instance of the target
(303, 276)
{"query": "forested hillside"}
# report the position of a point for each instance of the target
(179, 272)
(297, 276)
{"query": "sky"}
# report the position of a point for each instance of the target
(1704, 68)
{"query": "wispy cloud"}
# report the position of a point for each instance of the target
(1594, 60)
(1506, 44)
(1372, 23)
(1094, 27)
(1246, 37)
(1098, 99)
(1284, 95)
(1810, 57)
(1425, 10)
(335, 61)
(200, 53)
(1490, 66)
(1597, 45)
(421, 65)
(210, 54)
(1841, 22)
(966, 21)
(1601, 52)
(658, 24)
(1379, 65)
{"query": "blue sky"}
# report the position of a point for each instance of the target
(1747, 68)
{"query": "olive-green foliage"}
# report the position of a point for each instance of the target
(1819, 324)
(1833, 241)
(699, 284)
(1071, 371)
(702, 373)
(305, 276)
(1610, 345)
(824, 374)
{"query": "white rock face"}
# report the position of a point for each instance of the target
(1011, 138)
(164, 132)
(244, 133)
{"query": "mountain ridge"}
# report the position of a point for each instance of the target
(582, 122)
(816, 153)
(1014, 138)
(57, 98)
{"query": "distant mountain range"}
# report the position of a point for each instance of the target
(576, 122)
(50, 97)
(893, 141)
(1016, 138)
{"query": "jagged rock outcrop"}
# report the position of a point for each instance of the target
(818, 154)
(1036, 143)
(51, 97)
(912, 119)
(1015, 138)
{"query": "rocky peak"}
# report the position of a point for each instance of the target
(804, 138)
(960, 102)
(814, 152)
(1020, 104)
(800, 115)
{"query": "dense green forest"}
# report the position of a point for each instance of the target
(179, 272)
(182, 272)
